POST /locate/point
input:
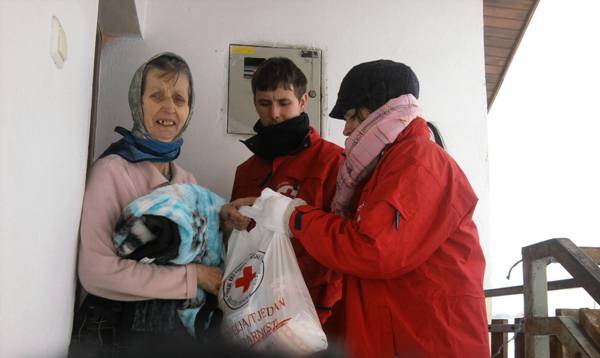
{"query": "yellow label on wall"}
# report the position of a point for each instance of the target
(244, 50)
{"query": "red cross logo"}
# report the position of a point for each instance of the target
(246, 279)
(287, 189)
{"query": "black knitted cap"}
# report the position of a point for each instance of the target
(372, 84)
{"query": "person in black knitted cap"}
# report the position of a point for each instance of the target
(401, 230)
(371, 84)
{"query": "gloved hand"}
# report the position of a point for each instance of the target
(273, 210)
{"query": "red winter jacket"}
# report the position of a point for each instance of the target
(413, 267)
(310, 175)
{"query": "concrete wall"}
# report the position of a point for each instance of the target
(44, 116)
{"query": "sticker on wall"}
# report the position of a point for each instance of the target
(242, 50)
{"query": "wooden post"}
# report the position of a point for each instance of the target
(499, 341)
(556, 348)
(535, 297)
(519, 340)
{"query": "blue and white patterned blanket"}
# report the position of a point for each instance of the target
(195, 210)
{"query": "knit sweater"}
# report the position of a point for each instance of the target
(114, 183)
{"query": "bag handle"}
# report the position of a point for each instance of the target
(251, 212)
(268, 210)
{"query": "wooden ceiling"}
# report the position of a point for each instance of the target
(505, 22)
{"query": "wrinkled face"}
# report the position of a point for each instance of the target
(354, 118)
(277, 106)
(165, 104)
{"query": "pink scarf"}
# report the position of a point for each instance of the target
(366, 143)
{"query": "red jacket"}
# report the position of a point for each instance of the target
(413, 283)
(311, 175)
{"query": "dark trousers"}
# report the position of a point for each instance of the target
(103, 329)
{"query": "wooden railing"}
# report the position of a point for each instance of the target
(533, 331)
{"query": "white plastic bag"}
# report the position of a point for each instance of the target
(265, 302)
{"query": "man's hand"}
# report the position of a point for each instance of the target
(209, 278)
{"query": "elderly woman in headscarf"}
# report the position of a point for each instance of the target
(161, 99)
(402, 230)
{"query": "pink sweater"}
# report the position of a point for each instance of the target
(114, 183)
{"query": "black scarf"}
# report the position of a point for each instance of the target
(279, 139)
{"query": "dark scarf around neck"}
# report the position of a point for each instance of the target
(280, 139)
(135, 149)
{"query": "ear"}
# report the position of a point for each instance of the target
(364, 113)
(303, 102)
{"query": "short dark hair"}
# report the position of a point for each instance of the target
(279, 71)
(171, 65)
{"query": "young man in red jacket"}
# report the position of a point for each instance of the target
(291, 158)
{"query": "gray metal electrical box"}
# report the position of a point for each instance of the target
(243, 61)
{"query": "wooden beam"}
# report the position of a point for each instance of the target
(500, 32)
(498, 52)
(492, 78)
(590, 321)
(593, 253)
(511, 4)
(499, 344)
(494, 70)
(508, 13)
(495, 61)
(517, 290)
(503, 23)
(499, 42)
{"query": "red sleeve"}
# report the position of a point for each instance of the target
(234, 191)
(248, 177)
(372, 246)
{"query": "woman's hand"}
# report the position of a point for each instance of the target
(230, 214)
(275, 210)
(209, 278)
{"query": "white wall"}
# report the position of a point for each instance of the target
(441, 40)
(44, 121)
